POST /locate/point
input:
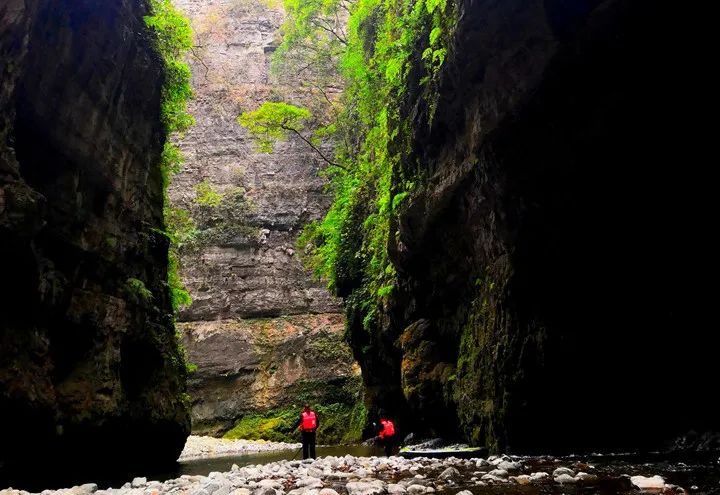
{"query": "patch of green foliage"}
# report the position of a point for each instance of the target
(206, 195)
(221, 218)
(137, 290)
(273, 121)
(339, 424)
(173, 37)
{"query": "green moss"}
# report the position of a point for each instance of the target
(339, 423)
(206, 195)
(136, 289)
(328, 346)
(481, 406)
(173, 39)
(111, 242)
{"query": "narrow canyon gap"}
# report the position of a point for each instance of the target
(264, 334)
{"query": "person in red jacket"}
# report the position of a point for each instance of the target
(385, 429)
(308, 422)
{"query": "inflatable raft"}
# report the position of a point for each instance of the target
(466, 453)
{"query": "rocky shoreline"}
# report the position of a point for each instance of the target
(199, 447)
(350, 475)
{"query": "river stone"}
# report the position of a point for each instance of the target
(586, 477)
(539, 476)
(264, 490)
(564, 478)
(493, 478)
(138, 482)
(223, 489)
(464, 492)
(655, 483)
(394, 488)
(327, 491)
(373, 487)
(522, 479)
(481, 463)
(315, 472)
(240, 491)
(563, 470)
(270, 484)
(211, 486)
(449, 473)
(500, 473)
(416, 489)
(508, 465)
(310, 482)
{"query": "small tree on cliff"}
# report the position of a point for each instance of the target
(275, 121)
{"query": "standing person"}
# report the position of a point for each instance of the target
(308, 422)
(386, 431)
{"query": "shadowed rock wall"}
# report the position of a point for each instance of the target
(553, 261)
(89, 364)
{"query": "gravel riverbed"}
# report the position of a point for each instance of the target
(350, 475)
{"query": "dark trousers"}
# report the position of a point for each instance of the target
(308, 443)
(388, 443)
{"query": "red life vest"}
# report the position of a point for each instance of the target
(309, 421)
(388, 428)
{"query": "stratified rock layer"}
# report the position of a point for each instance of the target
(89, 367)
(552, 260)
(258, 274)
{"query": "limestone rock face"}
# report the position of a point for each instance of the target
(246, 366)
(86, 359)
(552, 261)
(257, 274)
(248, 268)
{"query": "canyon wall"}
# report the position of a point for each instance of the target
(248, 208)
(89, 357)
(552, 260)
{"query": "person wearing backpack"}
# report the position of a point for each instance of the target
(386, 432)
(308, 422)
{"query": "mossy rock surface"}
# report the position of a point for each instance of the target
(339, 424)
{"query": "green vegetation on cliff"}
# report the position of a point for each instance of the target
(173, 37)
(383, 50)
